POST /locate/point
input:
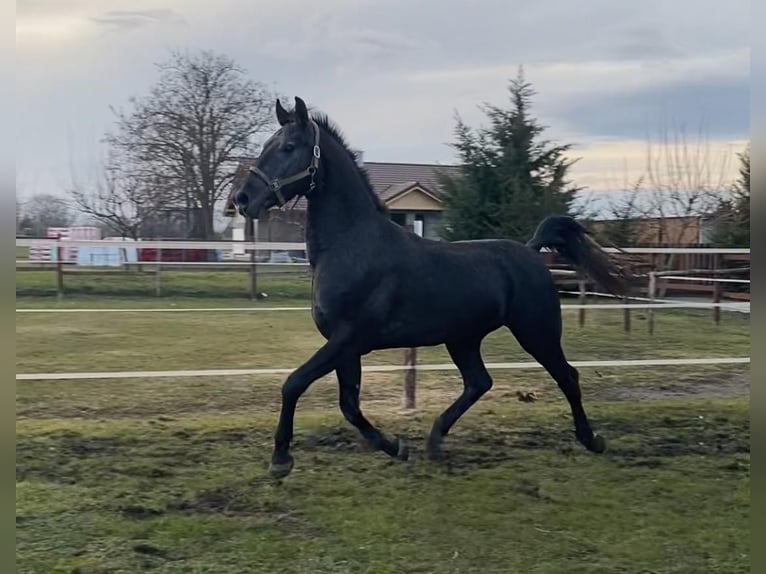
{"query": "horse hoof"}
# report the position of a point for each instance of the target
(403, 451)
(598, 444)
(281, 470)
(436, 455)
(435, 452)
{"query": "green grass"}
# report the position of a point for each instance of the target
(152, 341)
(169, 475)
(517, 494)
(85, 285)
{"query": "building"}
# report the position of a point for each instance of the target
(649, 218)
(677, 231)
(410, 191)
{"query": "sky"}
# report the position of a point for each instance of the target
(393, 74)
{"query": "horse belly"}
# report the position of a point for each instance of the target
(427, 319)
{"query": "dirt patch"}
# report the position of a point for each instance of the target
(87, 446)
(240, 502)
(485, 447)
(58, 457)
(713, 386)
(223, 500)
(332, 440)
(139, 512)
(150, 550)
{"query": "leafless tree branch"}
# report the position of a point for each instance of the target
(185, 137)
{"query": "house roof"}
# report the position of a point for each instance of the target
(384, 175)
(399, 189)
(388, 179)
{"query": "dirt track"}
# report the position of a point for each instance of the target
(713, 386)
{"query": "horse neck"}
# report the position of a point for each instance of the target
(340, 210)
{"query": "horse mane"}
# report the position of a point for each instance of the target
(332, 129)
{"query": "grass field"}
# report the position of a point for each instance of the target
(278, 282)
(169, 475)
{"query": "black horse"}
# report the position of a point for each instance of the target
(379, 286)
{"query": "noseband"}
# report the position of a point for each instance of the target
(276, 185)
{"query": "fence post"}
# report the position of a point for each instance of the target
(626, 315)
(250, 237)
(581, 301)
(717, 291)
(652, 291)
(59, 267)
(717, 299)
(410, 361)
(158, 271)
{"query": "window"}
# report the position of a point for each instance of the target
(399, 218)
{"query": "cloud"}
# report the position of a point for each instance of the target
(392, 73)
(721, 107)
(329, 42)
(132, 19)
(643, 43)
(619, 164)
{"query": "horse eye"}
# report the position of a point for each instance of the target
(288, 147)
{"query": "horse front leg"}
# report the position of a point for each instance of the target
(325, 360)
(349, 384)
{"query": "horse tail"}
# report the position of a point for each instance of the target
(567, 237)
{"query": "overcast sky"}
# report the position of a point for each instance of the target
(392, 73)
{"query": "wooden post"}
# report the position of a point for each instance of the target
(717, 292)
(626, 315)
(652, 291)
(158, 272)
(59, 267)
(581, 301)
(250, 237)
(410, 361)
(717, 299)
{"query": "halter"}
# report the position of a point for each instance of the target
(276, 185)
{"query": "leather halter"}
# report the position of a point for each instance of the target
(276, 185)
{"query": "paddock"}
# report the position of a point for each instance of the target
(144, 426)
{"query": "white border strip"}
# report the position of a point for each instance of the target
(368, 369)
(735, 306)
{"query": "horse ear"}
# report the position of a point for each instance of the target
(301, 113)
(283, 116)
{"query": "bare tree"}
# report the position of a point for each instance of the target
(618, 220)
(682, 185)
(114, 199)
(41, 211)
(19, 215)
(183, 140)
(685, 181)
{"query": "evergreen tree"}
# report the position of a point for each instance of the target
(511, 179)
(732, 221)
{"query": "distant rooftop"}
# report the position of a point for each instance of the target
(387, 178)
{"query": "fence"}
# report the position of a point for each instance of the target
(689, 267)
(705, 268)
(152, 258)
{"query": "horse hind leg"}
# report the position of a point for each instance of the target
(545, 348)
(476, 382)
